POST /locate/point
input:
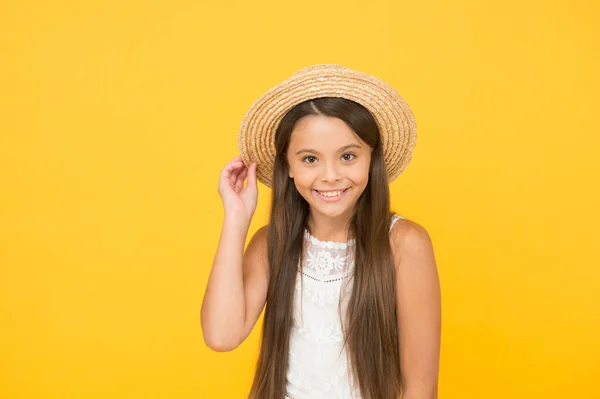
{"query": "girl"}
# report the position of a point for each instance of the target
(351, 289)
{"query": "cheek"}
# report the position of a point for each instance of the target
(359, 175)
(303, 178)
(361, 179)
(304, 181)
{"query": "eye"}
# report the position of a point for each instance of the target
(308, 157)
(349, 154)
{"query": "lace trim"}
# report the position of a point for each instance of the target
(327, 244)
(325, 263)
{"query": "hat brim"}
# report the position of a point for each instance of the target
(395, 119)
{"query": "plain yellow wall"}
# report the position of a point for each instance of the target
(117, 116)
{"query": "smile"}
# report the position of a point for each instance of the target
(331, 196)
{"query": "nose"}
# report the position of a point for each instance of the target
(330, 173)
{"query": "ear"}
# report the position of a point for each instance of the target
(290, 173)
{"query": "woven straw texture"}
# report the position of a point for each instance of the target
(397, 125)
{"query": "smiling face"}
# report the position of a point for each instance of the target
(329, 164)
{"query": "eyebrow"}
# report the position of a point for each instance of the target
(353, 145)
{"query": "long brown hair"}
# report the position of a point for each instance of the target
(370, 330)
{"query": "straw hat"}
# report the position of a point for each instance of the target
(397, 125)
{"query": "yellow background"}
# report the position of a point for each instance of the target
(117, 116)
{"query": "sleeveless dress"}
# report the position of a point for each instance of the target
(318, 365)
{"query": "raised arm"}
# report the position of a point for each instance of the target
(237, 286)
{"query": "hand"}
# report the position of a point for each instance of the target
(237, 199)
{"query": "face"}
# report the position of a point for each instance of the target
(329, 164)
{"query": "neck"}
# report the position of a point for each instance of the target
(329, 228)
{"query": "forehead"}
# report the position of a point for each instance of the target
(323, 133)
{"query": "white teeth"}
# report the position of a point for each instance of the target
(330, 194)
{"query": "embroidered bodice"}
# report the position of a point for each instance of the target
(318, 366)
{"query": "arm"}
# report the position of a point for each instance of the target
(237, 288)
(418, 301)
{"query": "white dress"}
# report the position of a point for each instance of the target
(318, 366)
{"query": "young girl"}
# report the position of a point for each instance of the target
(351, 289)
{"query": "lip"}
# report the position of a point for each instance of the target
(331, 199)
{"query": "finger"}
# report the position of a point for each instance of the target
(252, 176)
(235, 164)
(239, 184)
(235, 173)
(231, 167)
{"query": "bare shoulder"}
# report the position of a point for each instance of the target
(260, 236)
(409, 239)
(409, 232)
